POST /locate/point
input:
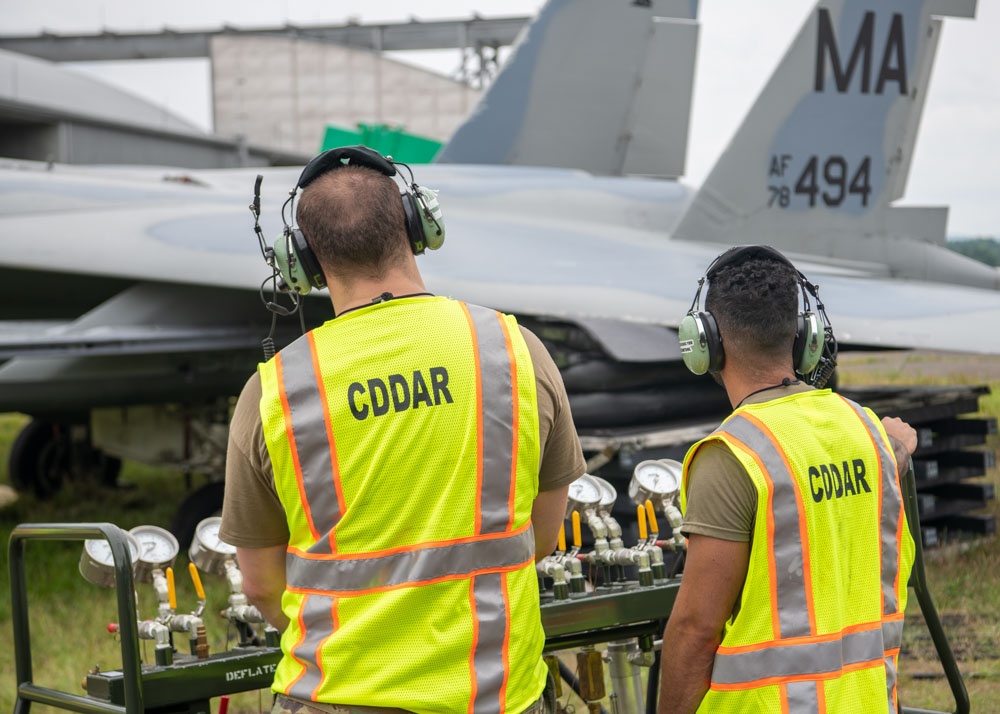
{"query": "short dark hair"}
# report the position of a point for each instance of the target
(755, 304)
(352, 218)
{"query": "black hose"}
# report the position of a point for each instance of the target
(653, 684)
(678, 563)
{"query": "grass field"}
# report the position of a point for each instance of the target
(69, 615)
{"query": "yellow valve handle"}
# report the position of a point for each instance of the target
(171, 592)
(562, 537)
(640, 513)
(577, 536)
(196, 579)
(651, 514)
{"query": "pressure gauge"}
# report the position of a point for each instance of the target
(208, 551)
(157, 550)
(584, 494)
(655, 479)
(608, 493)
(97, 563)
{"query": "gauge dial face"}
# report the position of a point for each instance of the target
(99, 550)
(657, 477)
(585, 491)
(207, 534)
(157, 546)
(608, 493)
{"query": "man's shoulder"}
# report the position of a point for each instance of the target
(545, 367)
(251, 388)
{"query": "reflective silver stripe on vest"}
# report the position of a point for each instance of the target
(802, 696)
(491, 612)
(892, 634)
(309, 430)
(890, 682)
(793, 614)
(892, 508)
(498, 418)
(347, 574)
(317, 615)
(789, 659)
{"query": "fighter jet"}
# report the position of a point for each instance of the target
(134, 299)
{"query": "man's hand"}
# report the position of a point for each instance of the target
(903, 438)
(263, 572)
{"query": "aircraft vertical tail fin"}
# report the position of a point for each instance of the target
(827, 146)
(599, 85)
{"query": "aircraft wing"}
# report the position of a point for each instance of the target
(575, 247)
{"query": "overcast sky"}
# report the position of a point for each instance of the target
(957, 161)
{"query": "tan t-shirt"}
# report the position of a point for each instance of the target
(253, 517)
(722, 500)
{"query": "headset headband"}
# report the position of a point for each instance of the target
(343, 156)
(742, 253)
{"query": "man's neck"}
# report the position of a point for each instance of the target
(740, 385)
(364, 291)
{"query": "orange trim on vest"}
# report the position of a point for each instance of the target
(292, 447)
(319, 660)
(515, 409)
(772, 568)
(792, 678)
(805, 640)
(881, 500)
(291, 652)
(784, 700)
(474, 684)
(803, 525)
(505, 656)
(328, 422)
(503, 569)
(479, 416)
(407, 548)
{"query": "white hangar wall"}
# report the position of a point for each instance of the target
(283, 92)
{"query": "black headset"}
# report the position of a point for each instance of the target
(813, 352)
(294, 259)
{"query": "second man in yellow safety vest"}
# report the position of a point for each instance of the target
(795, 581)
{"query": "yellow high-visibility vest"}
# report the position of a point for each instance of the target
(820, 619)
(404, 442)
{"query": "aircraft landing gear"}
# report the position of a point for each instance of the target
(47, 454)
(199, 505)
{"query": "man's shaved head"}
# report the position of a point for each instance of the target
(352, 218)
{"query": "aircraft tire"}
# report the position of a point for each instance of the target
(43, 458)
(199, 505)
(37, 459)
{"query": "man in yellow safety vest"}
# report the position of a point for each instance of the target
(795, 581)
(394, 473)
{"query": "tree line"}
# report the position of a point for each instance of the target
(985, 250)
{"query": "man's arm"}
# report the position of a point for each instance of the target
(903, 438)
(547, 514)
(714, 573)
(264, 581)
